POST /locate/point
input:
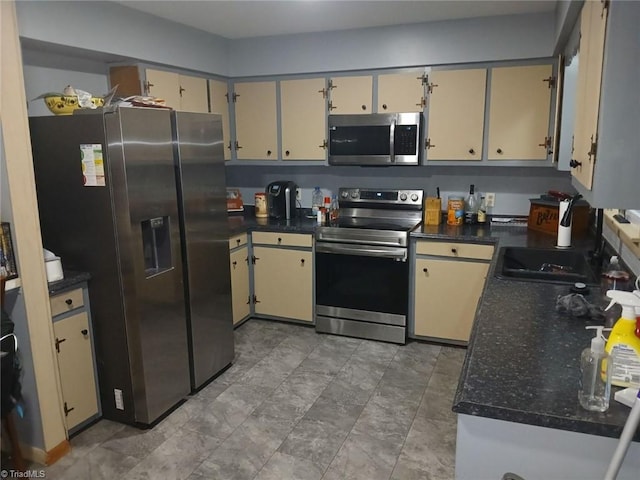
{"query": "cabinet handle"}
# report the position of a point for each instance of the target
(287, 153)
(364, 107)
(472, 151)
(302, 261)
(69, 301)
(84, 332)
(454, 251)
(268, 153)
(425, 270)
(58, 342)
(499, 151)
(279, 240)
(574, 163)
(234, 263)
(384, 106)
(237, 241)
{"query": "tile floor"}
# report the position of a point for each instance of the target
(295, 405)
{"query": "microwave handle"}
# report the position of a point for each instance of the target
(392, 136)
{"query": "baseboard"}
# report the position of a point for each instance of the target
(42, 457)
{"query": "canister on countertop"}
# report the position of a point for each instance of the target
(261, 204)
(455, 210)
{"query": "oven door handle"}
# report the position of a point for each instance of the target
(399, 254)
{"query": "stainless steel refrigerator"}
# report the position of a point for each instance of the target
(109, 187)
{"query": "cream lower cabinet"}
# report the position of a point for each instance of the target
(283, 275)
(74, 350)
(239, 265)
(448, 283)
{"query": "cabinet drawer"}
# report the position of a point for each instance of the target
(237, 241)
(67, 301)
(455, 250)
(282, 239)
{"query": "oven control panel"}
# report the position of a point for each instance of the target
(381, 196)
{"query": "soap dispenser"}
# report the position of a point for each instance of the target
(595, 369)
(624, 344)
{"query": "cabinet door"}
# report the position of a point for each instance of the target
(456, 114)
(283, 283)
(351, 95)
(240, 284)
(302, 107)
(193, 94)
(256, 120)
(519, 112)
(219, 103)
(592, 35)
(165, 85)
(400, 92)
(446, 296)
(75, 363)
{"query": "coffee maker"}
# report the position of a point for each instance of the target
(281, 199)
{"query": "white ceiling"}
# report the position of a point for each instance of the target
(235, 19)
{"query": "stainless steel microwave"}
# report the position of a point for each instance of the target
(375, 139)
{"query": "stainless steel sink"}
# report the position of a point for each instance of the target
(544, 265)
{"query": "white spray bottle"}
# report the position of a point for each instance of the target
(595, 380)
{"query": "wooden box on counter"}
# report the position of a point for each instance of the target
(544, 217)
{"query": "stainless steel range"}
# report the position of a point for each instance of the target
(362, 272)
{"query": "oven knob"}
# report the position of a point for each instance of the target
(403, 197)
(354, 194)
(414, 197)
(344, 194)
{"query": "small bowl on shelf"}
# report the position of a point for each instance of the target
(66, 104)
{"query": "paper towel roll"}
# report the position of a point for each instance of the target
(564, 233)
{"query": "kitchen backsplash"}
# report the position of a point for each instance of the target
(513, 186)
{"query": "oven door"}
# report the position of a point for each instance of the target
(362, 282)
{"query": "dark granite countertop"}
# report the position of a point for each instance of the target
(522, 362)
(71, 279)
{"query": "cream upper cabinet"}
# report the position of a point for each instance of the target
(240, 295)
(456, 114)
(181, 92)
(519, 111)
(449, 279)
(256, 120)
(351, 95)
(303, 114)
(219, 103)
(593, 23)
(400, 92)
(165, 85)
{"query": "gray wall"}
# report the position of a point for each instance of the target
(514, 186)
(111, 28)
(461, 41)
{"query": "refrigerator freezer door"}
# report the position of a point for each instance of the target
(144, 190)
(205, 241)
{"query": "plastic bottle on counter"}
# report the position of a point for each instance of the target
(333, 210)
(471, 207)
(482, 211)
(595, 370)
(316, 200)
(623, 344)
